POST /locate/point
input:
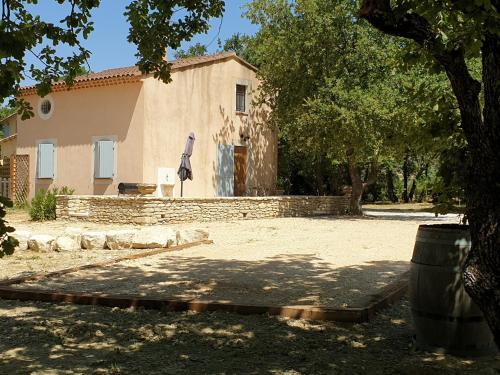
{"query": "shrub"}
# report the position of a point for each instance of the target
(7, 242)
(43, 205)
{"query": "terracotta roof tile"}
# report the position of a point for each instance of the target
(133, 71)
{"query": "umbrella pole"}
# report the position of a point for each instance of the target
(182, 186)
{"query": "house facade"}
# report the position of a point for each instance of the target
(122, 126)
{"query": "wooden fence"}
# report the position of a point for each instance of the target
(14, 178)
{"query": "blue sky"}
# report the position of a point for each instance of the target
(108, 43)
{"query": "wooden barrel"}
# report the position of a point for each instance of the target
(444, 315)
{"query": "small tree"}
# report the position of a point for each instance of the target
(8, 243)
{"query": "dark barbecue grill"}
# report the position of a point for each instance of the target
(131, 188)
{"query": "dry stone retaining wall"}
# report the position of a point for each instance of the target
(150, 210)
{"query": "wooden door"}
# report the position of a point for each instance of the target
(240, 171)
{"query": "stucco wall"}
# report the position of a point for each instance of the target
(78, 116)
(202, 100)
(146, 210)
(150, 122)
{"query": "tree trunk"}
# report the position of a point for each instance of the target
(391, 193)
(413, 188)
(406, 175)
(358, 186)
(482, 131)
(482, 268)
(419, 174)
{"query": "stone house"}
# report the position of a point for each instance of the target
(122, 126)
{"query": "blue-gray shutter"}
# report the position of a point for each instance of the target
(224, 174)
(45, 160)
(104, 159)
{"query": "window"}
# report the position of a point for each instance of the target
(5, 130)
(241, 93)
(104, 158)
(45, 107)
(45, 165)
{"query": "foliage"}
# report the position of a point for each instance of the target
(8, 243)
(197, 49)
(241, 44)
(155, 25)
(6, 112)
(43, 205)
(325, 76)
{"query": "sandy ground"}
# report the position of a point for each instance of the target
(328, 261)
(39, 338)
(44, 339)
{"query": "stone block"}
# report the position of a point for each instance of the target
(153, 238)
(93, 240)
(22, 236)
(42, 243)
(120, 239)
(68, 243)
(186, 236)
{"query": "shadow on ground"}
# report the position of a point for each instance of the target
(287, 279)
(40, 338)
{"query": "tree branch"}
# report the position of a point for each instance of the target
(415, 27)
(372, 174)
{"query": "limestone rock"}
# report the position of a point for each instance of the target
(68, 243)
(22, 236)
(186, 236)
(70, 240)
(120, 239)
(93, 240)
(42, 243)
(154, 238)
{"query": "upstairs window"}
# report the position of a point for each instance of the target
(45, 107)
(45, 165)
(241, 94)
(104, 158)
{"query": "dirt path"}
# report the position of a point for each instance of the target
(62, 339)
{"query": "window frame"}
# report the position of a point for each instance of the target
(41, 101)
(248, 91)
(239, 96)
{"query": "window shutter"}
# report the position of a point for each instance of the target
(45, 160)
(104, 159)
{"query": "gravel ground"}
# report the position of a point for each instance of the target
(40, 338)
(329, 261)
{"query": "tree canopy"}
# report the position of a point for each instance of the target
(333, 84)
(450, 33)
(197, 49)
